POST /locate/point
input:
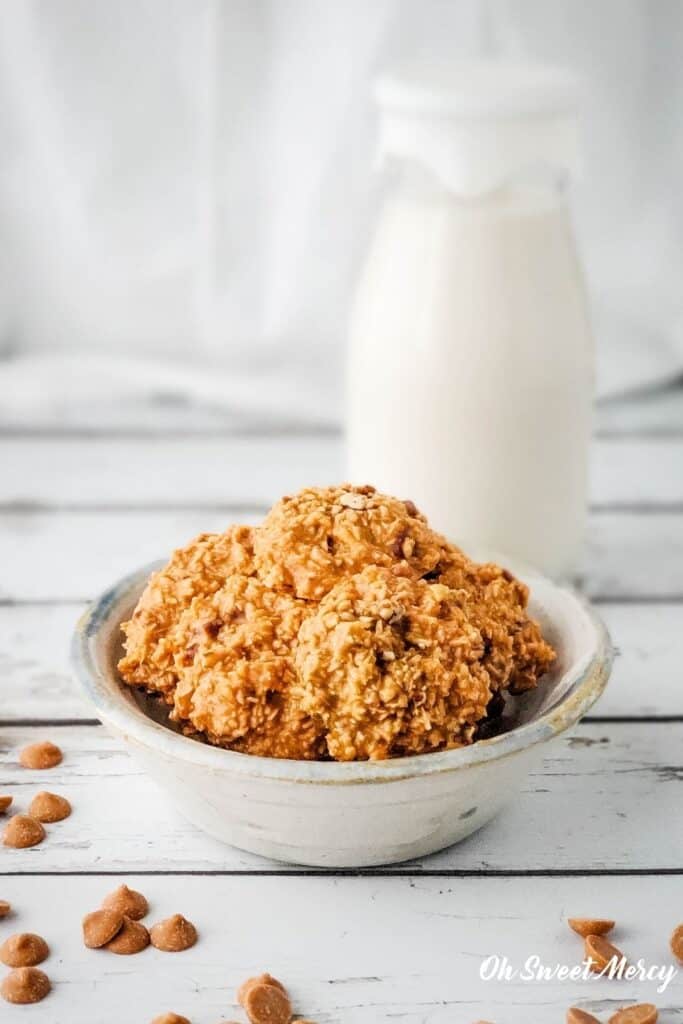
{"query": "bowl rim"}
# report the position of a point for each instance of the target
(586, 683)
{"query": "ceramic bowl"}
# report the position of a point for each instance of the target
(357, 814)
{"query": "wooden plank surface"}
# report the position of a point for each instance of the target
(229, 471)
(75, 555)
(37, 683)
(601, 800)
(351, 950)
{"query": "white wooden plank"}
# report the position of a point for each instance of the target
(35, 681)
(75, 555)
(350, 950)
(256, 471)
(618, 780)
(656, 413)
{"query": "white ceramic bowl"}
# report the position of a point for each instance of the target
(357, 814)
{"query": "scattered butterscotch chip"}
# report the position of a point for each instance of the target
(49, 807)
(127, 901)
(577, 1016)
(100, 927)
(585, 926)
(642, 1013)
(132, 938)
(676, 943)
(5, 908)
(25, 985)
(267, 1004)
(170, 1018)
(600, 952)
(174, 934)
(5, 802)
(259, 979)
(41, 755)
(24, 950)
(22, 831)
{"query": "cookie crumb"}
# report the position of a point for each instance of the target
(170, 1018)
(132, 938)
(49, 807)
(22, 831)
(41, 755)
(25, 985)
(127, 901)
(100, 927)
(174, 934)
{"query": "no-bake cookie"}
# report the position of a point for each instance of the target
(343, 627)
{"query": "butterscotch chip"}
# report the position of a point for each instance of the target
(600, 953)
(259, 979)
(267, 1004)
(24, 950)
(5, 908)
(170, 1018)
(100, 927)
(127, 901)
(577, 1016)
(41, 755)
(174, 934)
(585, 926)
(676, 943)
(22, 831)
(49, 807)
(132, 938)
(25, 985)
(642, 1013)
(5, 802)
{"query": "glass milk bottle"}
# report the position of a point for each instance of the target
(470, 364)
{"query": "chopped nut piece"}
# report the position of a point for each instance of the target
(49, 807)
(585, 926)
(676, 943)
(41, 755)
(642, 1013)
(100, 927)
(132, 938)
(600, 953)
(170, 1018)
(5, 802)
(174, 934)
(354, 501)
(24, 950)
(267, 1004)
(22, 831)
(5, 908)
(577, 1016)
(127, 901)
(25, 985)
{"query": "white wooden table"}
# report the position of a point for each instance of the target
(597, 830)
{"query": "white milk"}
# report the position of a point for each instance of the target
(470, 368)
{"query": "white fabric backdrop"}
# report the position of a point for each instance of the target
(193, 179)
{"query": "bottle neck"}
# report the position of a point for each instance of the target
(416, 182)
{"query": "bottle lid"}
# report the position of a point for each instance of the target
(477, 125)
